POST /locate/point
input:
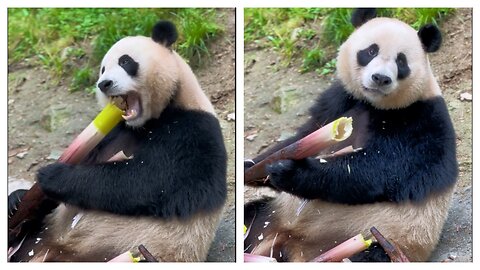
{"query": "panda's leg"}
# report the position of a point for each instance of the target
(374, 253)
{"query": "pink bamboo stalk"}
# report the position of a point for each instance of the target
(346, 249)
(28, 208)
(336, 131)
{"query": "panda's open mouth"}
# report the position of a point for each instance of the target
(373, 91)
(130, 103)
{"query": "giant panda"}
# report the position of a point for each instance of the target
(401, 179)
(169, 195)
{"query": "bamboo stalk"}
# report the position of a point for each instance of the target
(247, 257)
(395, 254)
(346, 249)
(34, 199)
(336, 131)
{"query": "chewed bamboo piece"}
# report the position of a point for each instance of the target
(29, 207)
(395, 254)
(346, 249)
(336, 131)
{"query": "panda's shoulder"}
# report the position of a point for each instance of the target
(332, 103)
(431, 114)
(186, 123)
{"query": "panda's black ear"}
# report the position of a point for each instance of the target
(430, 37)
(362, 15)
(165, 33)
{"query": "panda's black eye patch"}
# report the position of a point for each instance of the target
(128, 64)
(402, 66)
(366, 55)
(103, 70)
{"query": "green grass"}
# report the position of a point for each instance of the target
(320, 31)
(71, 42)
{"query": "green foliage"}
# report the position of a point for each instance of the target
(72, 41)
(312, 59)
(318, 28)
(328, 68)
(198, 30)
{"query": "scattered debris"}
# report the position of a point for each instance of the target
(231, 117)
(76, 219)
(466, 96)
(322, 160)
(251, 137)
(18, 150)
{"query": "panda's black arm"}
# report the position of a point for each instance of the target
(177, 176)
(359, 178)
(408, 166)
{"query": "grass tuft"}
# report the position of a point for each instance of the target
(70, 42)
(313, 34)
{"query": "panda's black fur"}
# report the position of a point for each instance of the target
(178, 169)
(409, 155)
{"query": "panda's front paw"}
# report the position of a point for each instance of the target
(281, 174)
(14, 200)
(51, 181)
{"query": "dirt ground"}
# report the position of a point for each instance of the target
(452, 65)
(43, 118)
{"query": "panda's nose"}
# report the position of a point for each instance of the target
(105, 85)
(381, 80)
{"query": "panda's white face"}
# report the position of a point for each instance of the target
(141, 72)
(383, 62)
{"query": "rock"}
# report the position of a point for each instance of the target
(251, 137)
(54, 118)
(54, 155)
(284, 135)
(283, 99)
(21, 155)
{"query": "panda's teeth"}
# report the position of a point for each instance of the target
(130, 114)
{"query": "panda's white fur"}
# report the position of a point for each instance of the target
(300, 234)
(161, 69)
(163, 79)
(392, 36)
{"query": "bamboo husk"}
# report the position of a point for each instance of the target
(336, 131)
(395, 253)
(29, 206)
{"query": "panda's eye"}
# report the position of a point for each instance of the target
(372, 51)
(124, 61)
(103, 70)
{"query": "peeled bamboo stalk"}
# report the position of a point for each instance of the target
(336, 131)
(346, 249)
(34, 199)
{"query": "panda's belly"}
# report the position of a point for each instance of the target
(109, 235)
(320, 225)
